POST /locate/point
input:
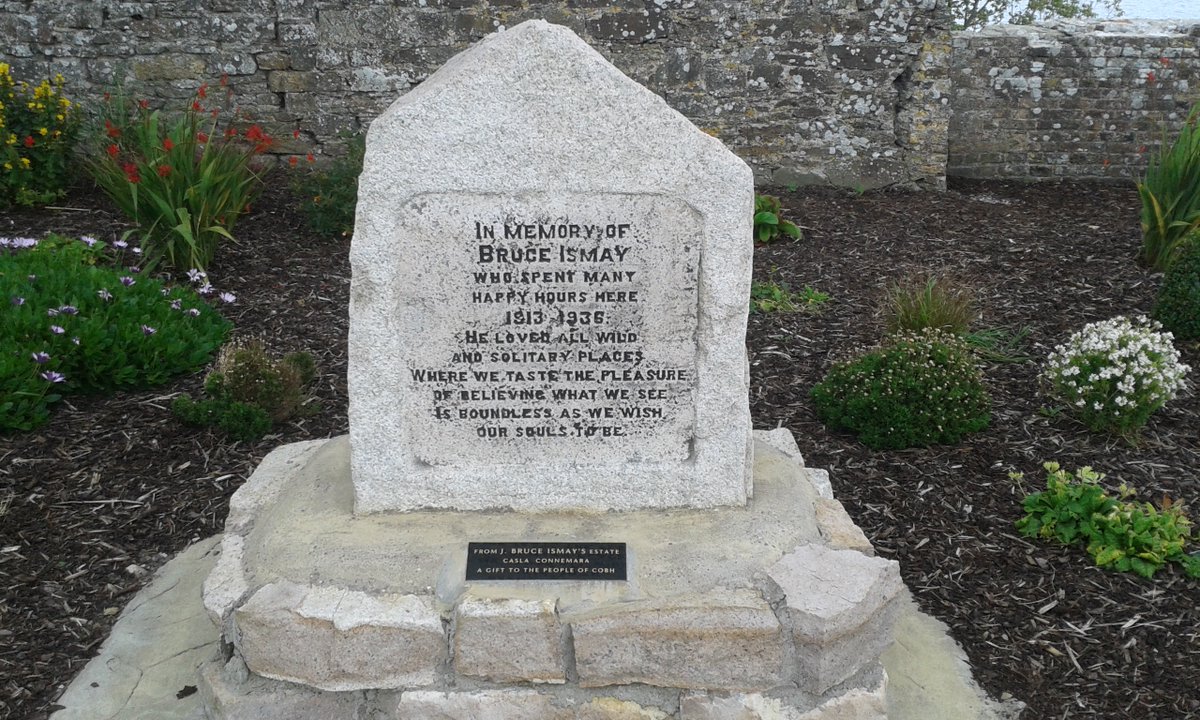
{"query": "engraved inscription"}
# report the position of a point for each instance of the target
(562, 331)
(546, 561)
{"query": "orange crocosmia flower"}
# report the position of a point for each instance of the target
(197, 106)
(144, 104)
(293, 160)
(202, 91)
(201, 137)
(111, 130)
(224, 79)
(168, 145)
(296, 134)
(309, 157)
(230, 132)
(112, 150)
(255, 134)
(1150, 76)
(1165, 62)
(164, 170)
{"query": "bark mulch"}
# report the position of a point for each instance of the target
(113, 485)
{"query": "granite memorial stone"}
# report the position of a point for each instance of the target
(550, 271)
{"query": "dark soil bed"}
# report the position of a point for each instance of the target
(115, 481)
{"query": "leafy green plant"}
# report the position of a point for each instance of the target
(71, 322)
(247, 390)
(1178, 303)
(38, 126)
(999, 345)
(1118, 532)
(769, 222)
(1114, 374)
(1170, 194)
(927, 301)
(184, 181)
(328, 195)
(768, 296)
(918, 389)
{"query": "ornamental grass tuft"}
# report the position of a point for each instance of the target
(1170, 193)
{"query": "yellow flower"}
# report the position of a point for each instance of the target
(8, 166)
(43, 131)
(25, 163)
(60, 117)
(3, 68)
(12, 139)
(65, 103)
(59, 79)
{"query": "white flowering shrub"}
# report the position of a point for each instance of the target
(1113, 374)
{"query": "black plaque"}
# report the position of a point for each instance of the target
(545, 561)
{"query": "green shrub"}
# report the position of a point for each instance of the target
(1114, 374)
(71, 323)
(1170, 194)
(769, 222)
(248, 391)
(918, 389)
(1118, 533)
(929, 302)
(184, 181)
(38, 126)
(1178, 304)
(329, 195)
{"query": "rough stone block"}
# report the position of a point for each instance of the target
(508, 640)
(226, 586)
(170, 66)
(727, 640)
(840, 607)
(857, 704)
(337, 639)
(228, 694)
(479, 705)
(290, 81)
(838, 528)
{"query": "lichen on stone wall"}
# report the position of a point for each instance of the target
(845, 92)
(1069, 99)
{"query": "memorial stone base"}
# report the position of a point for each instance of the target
(773, 610)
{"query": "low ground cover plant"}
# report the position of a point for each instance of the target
(1170, 193)
(248, 390)
(72, 322)
(768, 296)
(184, 178)
(328, 195)
(1178, 303)
(38, 127)
(1118, 531)
(1114, 374)
(768, 220)
(918, 389)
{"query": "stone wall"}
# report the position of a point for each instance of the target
(849, 92)
(1069, 99)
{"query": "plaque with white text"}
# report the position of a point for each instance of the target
(546, 561)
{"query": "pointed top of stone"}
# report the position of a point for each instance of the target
(551, 270)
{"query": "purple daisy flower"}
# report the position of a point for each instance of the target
(75, 339)
(228, 297)
(54, 377)
(104, 294)
(41, 358)
(137, 251)
(196, 275)
(69, 310)
(51, 311)
(147, 330)
(194, 312)
(127, 281)
(205, 289)
(18, 301)
(87, 240)
(176, 304)
(120, 244)
(57, 330)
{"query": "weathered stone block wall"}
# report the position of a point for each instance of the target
(850, 92)
(1069, 99)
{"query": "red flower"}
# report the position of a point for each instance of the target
(28, 141)
(144, 104)
(168, 145)
(255, 134)
(309, 157)
(196, 106)
(107, 97)
(214, 113)
(1150, 76)
(164, 170)
(224, 79)
(131, 173)
(1142, 149)
(1165, 62)
(230, 132)
(113, 150)
(296, 134)
(201, 137)
(202, 91)
(1106, 162)
(111, 130)
(293, 160)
